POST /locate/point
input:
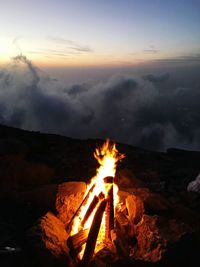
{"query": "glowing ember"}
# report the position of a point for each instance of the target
(107, 156)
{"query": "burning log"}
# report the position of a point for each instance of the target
(91, 208)
(108, 180)
(74, 242)
(109, 208)
(93, 234)
(82, 204)
(109, 214)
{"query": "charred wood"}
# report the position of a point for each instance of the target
(109, 213)
(91, 208)
(108, 179)
(75, 242)
(122, 222)
(93, 234)
(79, 208)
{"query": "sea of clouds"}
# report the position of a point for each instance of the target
(151, 111)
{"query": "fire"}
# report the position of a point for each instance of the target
(107, 156)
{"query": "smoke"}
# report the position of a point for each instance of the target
(154, 112)
(16, 44)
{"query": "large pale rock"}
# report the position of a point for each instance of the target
(69, 198)
(48, 242)
(54, 235)
(194, 186)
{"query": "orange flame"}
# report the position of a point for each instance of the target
(107, 156)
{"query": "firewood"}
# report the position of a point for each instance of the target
(122, 218)
(77, 240)
(124, 225)
(108, 179)
(135, 207)
(79, 208)
(109, 213)
(91, 208)
(122, 222)
(93, 234)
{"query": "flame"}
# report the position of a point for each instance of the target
(107, 156)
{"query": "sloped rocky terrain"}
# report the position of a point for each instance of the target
(34, 165)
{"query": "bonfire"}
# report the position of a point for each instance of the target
(93, 223)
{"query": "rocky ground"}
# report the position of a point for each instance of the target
(34, 165)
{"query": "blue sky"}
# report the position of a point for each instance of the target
(99, 32)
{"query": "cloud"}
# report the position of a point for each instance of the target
(157, 79)
(184, 59)
(193, 57)
(51, 53)
(155, 111)
(81, 48)
(70, 44)
(65, 48)
(151, 51)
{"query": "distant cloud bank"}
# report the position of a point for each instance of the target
(153, 111)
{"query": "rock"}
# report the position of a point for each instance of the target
(68, 199)
(150, 247)
(135, 208)
(125, 178)
(47, 241)
(163, 241)
(54, 235)
(194, 186)
(154, 203)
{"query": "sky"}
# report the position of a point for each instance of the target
(99, 33)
